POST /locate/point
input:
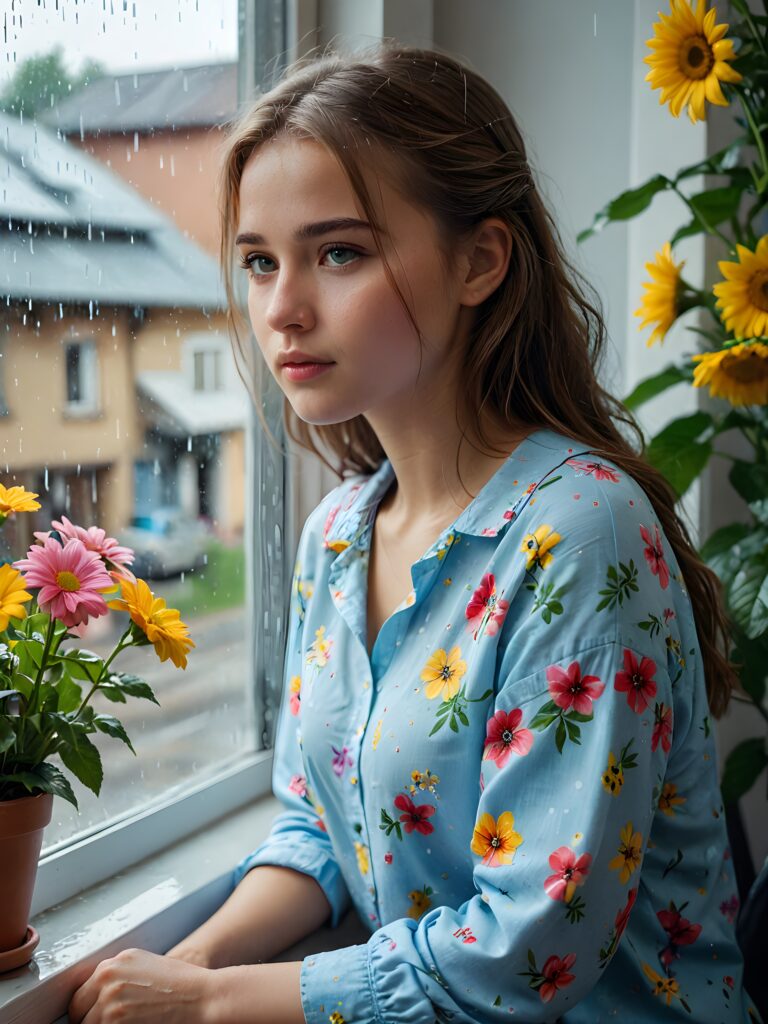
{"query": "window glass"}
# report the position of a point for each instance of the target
(109, 116)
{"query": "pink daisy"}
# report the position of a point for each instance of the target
(570, 871)
(503, 737)
(654, 555)
(637, 681)
(93, 539)
(556, 974)
(71, 580)
(572, 690)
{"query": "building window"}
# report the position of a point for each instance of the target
(207, 370)
(81, 368)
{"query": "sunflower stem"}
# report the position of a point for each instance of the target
(697, 215)
(755, 131)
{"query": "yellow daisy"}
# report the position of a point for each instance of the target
(743, 296)
(162, 626)
(659, 304)
(630, 853)
(689, 61)
(669, 799)
(13, 596)
(538, 546)
(738, 374)
(662, 986)
(442, 674)
(495, 841)
(16, 499)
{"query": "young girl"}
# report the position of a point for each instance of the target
(504, 655)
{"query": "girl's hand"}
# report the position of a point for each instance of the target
(142, 987)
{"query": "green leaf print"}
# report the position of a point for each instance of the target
(454, 710)
(389, 824)
(547, 599)
(575, 910)
(618, 587)
(567, 723)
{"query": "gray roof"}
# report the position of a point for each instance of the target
(174, 97)
(72, 230)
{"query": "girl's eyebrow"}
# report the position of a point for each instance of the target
(304, 231)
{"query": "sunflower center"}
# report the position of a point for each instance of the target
(67, 581)
(696, 57)
(746, 368)
(758, 290)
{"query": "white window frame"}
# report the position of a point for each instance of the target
(89, 370)
(79, 863)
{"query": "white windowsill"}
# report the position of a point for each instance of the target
(152, 905)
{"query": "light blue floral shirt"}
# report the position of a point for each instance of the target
(518, 791)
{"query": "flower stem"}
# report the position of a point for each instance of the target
(120, 646)
(707, 227)
(755, 132)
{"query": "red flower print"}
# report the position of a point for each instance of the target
(679, 930)
(570, 871)
(503, 737)
(572, 690)
(556, 974)
(485, 612)
(387, 858)
(597, 469)
(622, 918)
(298, 785)
(414, 817)
(729, 908)
(637, 681)
(668, 615)
(654, 555)
(662, 728)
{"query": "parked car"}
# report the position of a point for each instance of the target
(166, 541)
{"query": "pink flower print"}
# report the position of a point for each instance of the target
(298, 785)
(679, 930)
(570, 872)
(503, 737)
(668, 615)
(414, 817)
(729, 908)
(599, 470)
(662, 728)
(340, 760)
(488, 531)
(569, 689)
(295, 699)
(485, 612)
(556, 974)
(329, 521)
(622, 918)
(654, 555)
(637, 681)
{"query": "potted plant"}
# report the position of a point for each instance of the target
(47, 686)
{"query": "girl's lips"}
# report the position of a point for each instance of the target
(304, 371)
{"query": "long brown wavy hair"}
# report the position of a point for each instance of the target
(537, 342)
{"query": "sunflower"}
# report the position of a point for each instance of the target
(743, 296)
(162, 626)
(442, 674)
(690, 57)
(659, 304)
(16, 499)
(738, 373)
(12, 595)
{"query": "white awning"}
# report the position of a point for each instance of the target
(169, 402)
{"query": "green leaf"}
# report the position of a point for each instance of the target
(747, 597)
(716, 204)
(113, 727)
(133, 686)
(113, 693)
(742, 768)
(654, 385)
(759, 510)
(46, 778)
(752, 657)
(84, 761)
(70, 694)
(678, 454)
(719, 162)
(83, 664)
(724, 539)
(627, 205)
(7, 733)
(560, 736)
(749, 480)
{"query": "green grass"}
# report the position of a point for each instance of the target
(218, 585)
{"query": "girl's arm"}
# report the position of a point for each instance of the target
(268, 911)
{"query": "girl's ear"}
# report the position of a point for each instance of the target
(487, 257)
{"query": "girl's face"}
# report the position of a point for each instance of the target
(325, 291)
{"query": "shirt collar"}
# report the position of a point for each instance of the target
(489, 512)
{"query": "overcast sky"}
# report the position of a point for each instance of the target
(124, 35)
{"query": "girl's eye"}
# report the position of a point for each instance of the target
(254, 260)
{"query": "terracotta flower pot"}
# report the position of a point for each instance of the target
(22, 823)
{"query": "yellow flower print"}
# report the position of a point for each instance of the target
(445, 546)
(377, 733)
(337, 545)
(423, 780)
(420, 902)
(320, 649)
(613, 776)
(662, 986)
(669, 799)
(495, 841)
(362, 858)
(630, 853)
(336, 1018)
(442, 674)
(538, 546)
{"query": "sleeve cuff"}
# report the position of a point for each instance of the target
(338, 982)
(307, 860)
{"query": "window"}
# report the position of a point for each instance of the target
(81, 370)
(112, 283)
(4, 410)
